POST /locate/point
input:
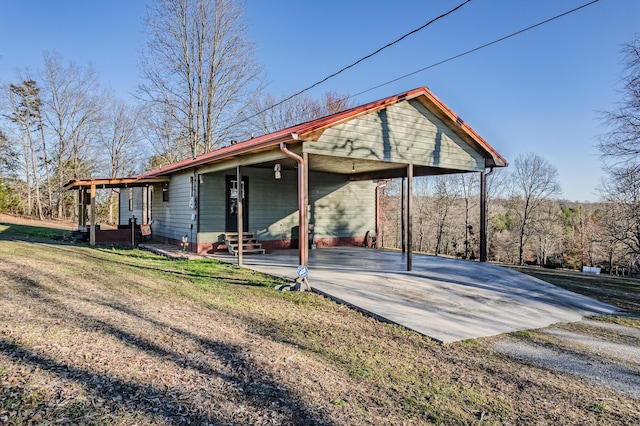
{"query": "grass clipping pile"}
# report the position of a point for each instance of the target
(96, 336)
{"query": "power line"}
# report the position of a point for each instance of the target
(421, 69)
(476, 48)
(356, 62)
(377, 51)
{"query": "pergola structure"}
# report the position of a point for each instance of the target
(87, 196)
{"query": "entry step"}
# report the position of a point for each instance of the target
(250, 245)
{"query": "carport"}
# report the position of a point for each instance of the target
(445, 299)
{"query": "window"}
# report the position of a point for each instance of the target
(165, 195)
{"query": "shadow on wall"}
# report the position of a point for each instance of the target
(386, 142)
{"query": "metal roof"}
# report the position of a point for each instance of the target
(310, 131)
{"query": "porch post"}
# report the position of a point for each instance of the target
(409, 216)
(92, 229)
(483, 217)
(304, 238)
(80, 206)
(240, 221)
(403, 228)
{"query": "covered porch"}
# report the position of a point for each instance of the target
(86, 216)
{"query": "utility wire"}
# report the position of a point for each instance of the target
(476, 48)
(376, 52)
(421, 69)
(358, 61)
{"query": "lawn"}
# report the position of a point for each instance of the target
(121, 336)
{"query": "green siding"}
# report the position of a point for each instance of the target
(273, 210)
(340, 208)
(337, 208)
(172, 219)
(403, 133)
(138, 205)
(212, 206)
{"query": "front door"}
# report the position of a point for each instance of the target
(232, 193)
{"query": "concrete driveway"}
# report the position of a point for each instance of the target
(445, 299)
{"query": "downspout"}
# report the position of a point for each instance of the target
(302, 205)
(483, 214)
(409, 217)
(198, 199)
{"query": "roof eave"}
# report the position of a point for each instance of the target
(113, 182)
(251, 145)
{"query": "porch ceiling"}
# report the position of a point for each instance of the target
(357, 169)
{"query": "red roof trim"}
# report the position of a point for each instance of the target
(455, 117)
(286, 135)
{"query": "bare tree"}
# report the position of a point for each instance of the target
(162, 136)
(8, 155)
(621, 194)
(469, 184)
(422, 212)
(120, 139)
(445, 194)
(533, 180)
(620, 145)
(503, 230)
(198, 68)
(25, 103)
(496, 184)
(547, 232)
(620, 148)
(72, 106)
(268, 115)
(584, 233)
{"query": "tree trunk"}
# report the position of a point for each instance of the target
(27, 174)
(36, 179)
(46, 169)
(521, 246)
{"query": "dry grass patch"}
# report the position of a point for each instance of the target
(104, 336)
(618, 291)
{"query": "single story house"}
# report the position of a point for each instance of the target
(318, 179)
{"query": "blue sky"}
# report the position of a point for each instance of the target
(537, 92)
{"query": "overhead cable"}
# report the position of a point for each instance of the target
(475, 49)
(358, 61)
(421, 69)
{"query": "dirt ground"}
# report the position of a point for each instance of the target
(64, 225)
(101, 336)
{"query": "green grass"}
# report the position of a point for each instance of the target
(204, 273)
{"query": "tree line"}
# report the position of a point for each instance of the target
(526, 222)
